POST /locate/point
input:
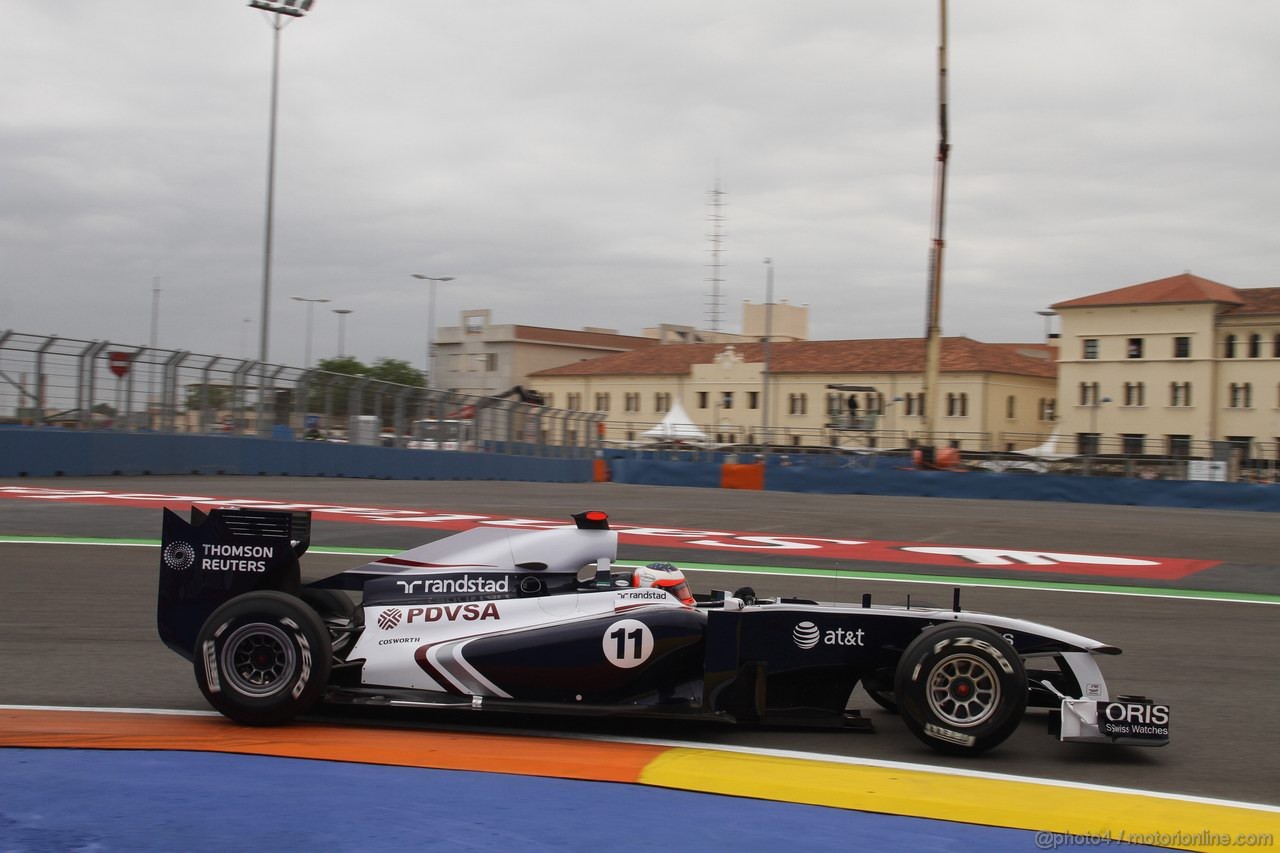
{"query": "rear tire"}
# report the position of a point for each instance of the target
(263, 658)
(960, 688)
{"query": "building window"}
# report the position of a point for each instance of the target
(1255, 346)
(1182, 347)
(1241, 395)
(957, 405)
(1275, 347)
(1087, 443)
(475, 325)
(1048, 407)
(1135, 394)
(726, 400)
(1089, 393)
(662, 402)
(488, 361)
(1179, 393)
(574, 402)
(1179, 445)
(875, 404)
(549, 400)
(1229, 346)
(1134, 349)
(602, 402)
(702, 399)
(1243, 443)
(631, 402)
(753, 399)
(798, 404)
(1090, 347)
(1010, 407)
(914, 404)
(1133, 443)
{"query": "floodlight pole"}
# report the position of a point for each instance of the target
(290, 9)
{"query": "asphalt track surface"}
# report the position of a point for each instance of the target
(77, 621)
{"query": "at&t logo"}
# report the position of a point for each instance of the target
(807, 635)
(179, 555)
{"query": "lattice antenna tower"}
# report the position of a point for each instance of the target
(715, 216)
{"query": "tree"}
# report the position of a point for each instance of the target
(397, 371)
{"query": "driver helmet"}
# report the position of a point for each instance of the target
(666, 577)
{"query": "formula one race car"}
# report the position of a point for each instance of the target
(546, 621)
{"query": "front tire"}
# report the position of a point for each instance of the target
(263, 658)
(961, 689)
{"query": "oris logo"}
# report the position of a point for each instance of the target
(389, 618)
(179, 555)
(806, 635)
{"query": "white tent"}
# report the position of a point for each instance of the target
(676, 426)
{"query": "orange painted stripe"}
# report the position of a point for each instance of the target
(524, 756)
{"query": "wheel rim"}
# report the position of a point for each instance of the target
(964, 690)
(258, 659)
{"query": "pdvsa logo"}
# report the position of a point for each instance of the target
(806, 635)
(179, 555)
(389, 618)
(453, 612)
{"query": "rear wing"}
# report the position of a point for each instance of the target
(219, 555)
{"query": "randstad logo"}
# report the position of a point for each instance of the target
(806, 635)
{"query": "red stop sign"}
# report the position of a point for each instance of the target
(119, 363)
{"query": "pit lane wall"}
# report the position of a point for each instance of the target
(57, 452)
(978, 485)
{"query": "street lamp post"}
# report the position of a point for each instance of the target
(432, 281)
(768, 337)
(306, 361)
(342, 329)
(289, 9)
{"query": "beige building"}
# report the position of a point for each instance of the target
(479, 357)
(994, 396)
(1167, 366)
(785, 322)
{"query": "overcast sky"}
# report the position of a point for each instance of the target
(555, 156)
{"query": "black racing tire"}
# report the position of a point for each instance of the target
(263, 658)
(881, 695)
(338, 613)
(961, 688)
(327, 602)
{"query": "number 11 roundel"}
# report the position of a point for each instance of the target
(627, 643)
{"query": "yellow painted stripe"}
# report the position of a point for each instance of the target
(991, 802)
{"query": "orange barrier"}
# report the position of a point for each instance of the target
(742, 476)
(600, 471)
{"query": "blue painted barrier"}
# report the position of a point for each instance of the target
(57, 452)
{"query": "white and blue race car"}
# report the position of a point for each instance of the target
(546, 621)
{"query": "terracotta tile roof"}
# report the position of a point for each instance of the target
(536, 334)
(1258, 300)
(1178, 288)
(890, 355)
